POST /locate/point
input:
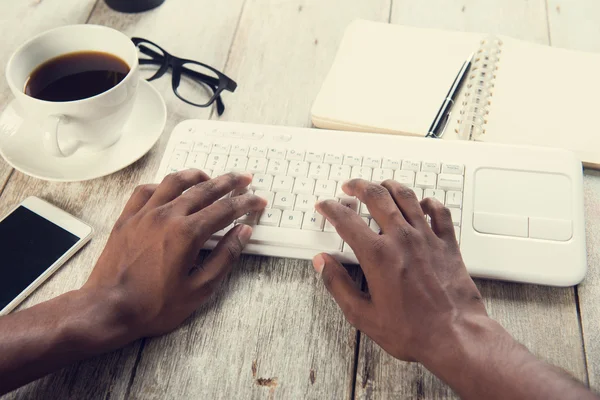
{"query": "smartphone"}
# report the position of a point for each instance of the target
(36, 238)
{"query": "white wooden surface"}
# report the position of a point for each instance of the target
(274, 332)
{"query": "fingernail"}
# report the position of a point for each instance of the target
(246, 174)
(318, 263)
(345, 186)
(244, 233)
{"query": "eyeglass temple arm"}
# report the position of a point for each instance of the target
(187, 71)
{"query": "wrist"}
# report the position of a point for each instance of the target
(467, 350)
(94, 323)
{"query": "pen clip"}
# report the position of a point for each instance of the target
(445, 125)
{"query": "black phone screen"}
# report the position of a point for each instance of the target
(29, 245)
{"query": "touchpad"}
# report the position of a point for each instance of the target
(522, 204)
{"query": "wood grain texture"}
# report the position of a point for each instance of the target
(20, 20)
(574, 25)
(100, 201)
(544, 319)
(274, 332)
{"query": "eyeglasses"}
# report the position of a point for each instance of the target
(193, 82)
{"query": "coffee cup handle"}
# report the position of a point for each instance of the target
(51, 127)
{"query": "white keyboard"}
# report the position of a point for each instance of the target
(517, 211)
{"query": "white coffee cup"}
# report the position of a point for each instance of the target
(93, 123)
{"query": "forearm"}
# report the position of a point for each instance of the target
(486, 362)
(53, 334)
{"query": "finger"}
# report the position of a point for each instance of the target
(218, 263)
(379, 201)
(355, 304)
(407, 202)
(441, 219)
(206, 193)
(351, 228)
(222, 213)
(138, 199)
(173, 185)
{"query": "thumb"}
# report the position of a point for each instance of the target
(354, 303)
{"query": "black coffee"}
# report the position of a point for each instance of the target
(76, 76)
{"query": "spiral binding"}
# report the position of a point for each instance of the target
(479, 88)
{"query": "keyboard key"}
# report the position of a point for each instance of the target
(374, 226)
(250, 218)
(276, 153)
(454, 199)
(418, 193)
(298, 169)
(361, 173)
(277, 167)
(333, 158)
(216, 161)
(328, 227)
(406, 178)
(215, 173)
(218, 235)
(450, 182)
(185, 145)
(313, 222)
(457, 169)
(382, 174)
(352, 160)
(262, 182)
(313, 157)
(257, 165)
(364, 210)
(270, 217)
(318, 171)
(283, 183)
(456, 216)
(435, 193)
(267, 195)
(305, 202)
(292, 219)
(372, 162)
(237, 163)
(351, 203)
(319, 241)
(178, 159)
(295, 155)
(339, 173)
(239, 150)
(410, 165)
(550, 229)
(220, 148)
(429, 166)
(426, 180)
(325, 188)
(391, 163)
(304, 186)
(284, 201)
(196, 160)
(203, 146)
(171, 170)
(258, 151)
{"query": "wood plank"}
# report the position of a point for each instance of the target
(575, 25)
(100, 201)
(275, 332)
(544, 319)
(20, 20)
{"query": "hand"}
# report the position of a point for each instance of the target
(419, 290)
(149, 271)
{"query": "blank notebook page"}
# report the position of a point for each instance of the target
(546, 96)
(390, 78)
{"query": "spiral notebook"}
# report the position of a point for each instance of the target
(392, 79)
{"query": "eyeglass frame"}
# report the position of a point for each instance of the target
(177, 66)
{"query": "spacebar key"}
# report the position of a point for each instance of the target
(285, 237)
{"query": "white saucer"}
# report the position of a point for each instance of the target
(22, 147)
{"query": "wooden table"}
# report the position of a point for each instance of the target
(274, 331)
